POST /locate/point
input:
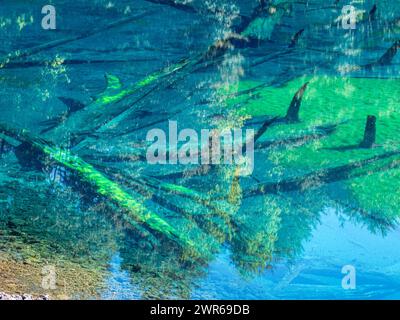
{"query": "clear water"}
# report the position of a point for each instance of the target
(289, 244)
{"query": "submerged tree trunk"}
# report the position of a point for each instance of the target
(369, 133)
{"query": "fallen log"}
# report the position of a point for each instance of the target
(134, 210)
(325, 176)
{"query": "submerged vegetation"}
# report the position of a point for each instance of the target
(77, 191)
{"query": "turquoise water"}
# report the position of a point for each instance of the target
(77, 104)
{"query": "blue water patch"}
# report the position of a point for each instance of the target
(111, 163)
(118, 283)
(317, 273)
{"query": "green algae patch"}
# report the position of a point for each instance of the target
(113, 82)
(115, 93)
(345, 102)
(379, 191)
